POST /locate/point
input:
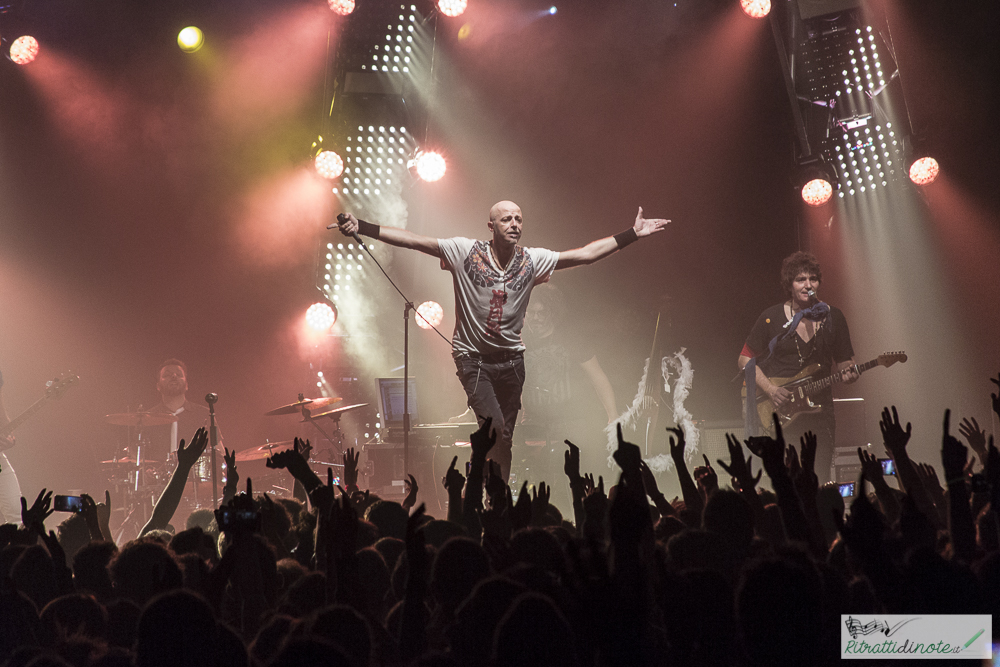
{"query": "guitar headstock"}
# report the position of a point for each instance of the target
(887, 359)
(55, 388)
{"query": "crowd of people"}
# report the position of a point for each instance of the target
(729, 574)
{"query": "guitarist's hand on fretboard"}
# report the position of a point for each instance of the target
(849, 373)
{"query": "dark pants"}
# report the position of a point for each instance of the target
(493, 384)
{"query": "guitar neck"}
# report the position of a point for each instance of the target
(21, 418)
(834, 378)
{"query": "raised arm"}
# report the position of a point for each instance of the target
(401, 238)
(167, 504)
(601, 248)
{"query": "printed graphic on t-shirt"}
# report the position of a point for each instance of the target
(482, 274)
(495, 315)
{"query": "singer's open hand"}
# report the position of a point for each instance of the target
(346, 223)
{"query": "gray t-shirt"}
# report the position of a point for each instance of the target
(490, 304)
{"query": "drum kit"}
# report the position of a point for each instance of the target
(139, 481)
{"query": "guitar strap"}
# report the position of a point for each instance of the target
(817, 313)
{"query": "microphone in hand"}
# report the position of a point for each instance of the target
(342, 218)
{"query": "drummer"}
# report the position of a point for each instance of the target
(172, 385)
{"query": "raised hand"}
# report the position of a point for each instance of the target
(411, 491)
(627, 456)
(595, 509)
(453, 481)
(89, 513)
(571, 462)
(290, 459)
(351, 468)
(496, 487)
(646, 226)
(520, 514)
(871, 469)
(792, 461)
(483, 440)
(706, 477)
(322, 496)
(232, 474)
(677, 444)
(104, 512)
(975, 436)
(739, 468)
(929, 478)
(808, 442)
(770, 450)
(893, 435)
(40, 510)
(953, 453)
(189, 455)
(55, 549)
(803, 475)
(540, 503)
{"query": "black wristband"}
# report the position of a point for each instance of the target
(368, 229)
(626, 237)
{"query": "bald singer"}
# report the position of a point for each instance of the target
(493, 282)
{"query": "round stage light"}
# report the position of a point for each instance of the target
(329, 165)
(342, 7)
(756, 9)
(552, 9)
(452, 7)
(924, 171)
(24, 49)
(320, 317)
(429, 314)
(190, 39)
(431, 167)
(817, 192)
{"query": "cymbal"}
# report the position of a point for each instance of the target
(308, 403)
(265, 450)
(336, 412)
(140, 418)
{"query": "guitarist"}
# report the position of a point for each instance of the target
(819, 338)
(10, 490)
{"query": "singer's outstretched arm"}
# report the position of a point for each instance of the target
(601, 248)
(402, 238)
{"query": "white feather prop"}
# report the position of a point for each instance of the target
(680, 366)
(627, 418)
(682, 388)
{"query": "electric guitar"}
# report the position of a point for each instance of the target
(803, 386)
(53, 389)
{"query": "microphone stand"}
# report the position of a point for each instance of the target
(407, 307)
(213, 442)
